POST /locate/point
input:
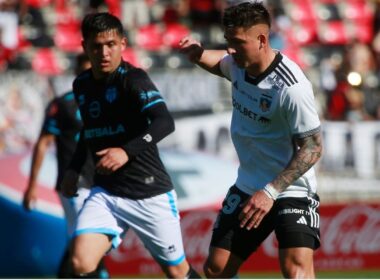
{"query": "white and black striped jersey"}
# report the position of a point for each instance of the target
(269, 111)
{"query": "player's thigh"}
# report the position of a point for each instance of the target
(156, 221)
(227, 233)
(221, 263)
(98, 216)
(298, 222)
(89, 248)
(71, 207)
(297, 232)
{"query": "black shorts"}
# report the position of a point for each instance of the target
(295, 221)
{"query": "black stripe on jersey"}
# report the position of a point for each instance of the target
(262, 76)
(287, 70)
(268, 96)
(283, 78)
(308, 133)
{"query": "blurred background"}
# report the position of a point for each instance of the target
(337, 44)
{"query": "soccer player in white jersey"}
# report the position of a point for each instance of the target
(276, 132)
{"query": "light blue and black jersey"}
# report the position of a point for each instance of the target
(63, 120)
(125, 110)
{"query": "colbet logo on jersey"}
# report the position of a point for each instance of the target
(248, 113)
(111, 94)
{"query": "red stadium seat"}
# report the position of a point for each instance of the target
(173, 33)
(67, 37)
(130, 55)
(23, 43)
(303, 33)
(356, 9)
(294, 52)
(45, 62)
(114, 7)
(332, 32)
(300, 10)
(360, 29)
(149, 37)
(38, 3)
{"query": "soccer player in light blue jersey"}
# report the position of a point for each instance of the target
(276, 133)
(124, 117)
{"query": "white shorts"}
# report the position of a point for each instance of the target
(155, 220)
(72, 206)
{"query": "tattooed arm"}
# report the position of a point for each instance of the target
(259, 204)
(309, 153)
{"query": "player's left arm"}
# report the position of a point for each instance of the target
(302, 116)
(309, 152)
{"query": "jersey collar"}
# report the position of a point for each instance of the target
(255, 81)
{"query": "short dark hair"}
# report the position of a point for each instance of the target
(93, 24)
(80, 60)
(246, 15)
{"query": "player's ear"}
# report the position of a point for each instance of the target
(263, 40)
(124, 43)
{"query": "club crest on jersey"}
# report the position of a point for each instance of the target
(111, 94)
(265, 104)
(94, 109)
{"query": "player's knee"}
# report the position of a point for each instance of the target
(296, 268)
(177, 271)
(217, 271)
(82, 265)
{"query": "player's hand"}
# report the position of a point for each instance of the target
(29, 199)
(69, 182)
(192, 48)
(111, 159)
(254, 210)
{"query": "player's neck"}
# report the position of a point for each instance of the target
(258, 68)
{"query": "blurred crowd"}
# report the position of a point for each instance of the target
(337, 42)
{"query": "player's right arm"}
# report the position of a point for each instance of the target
(207, 59)
(43, 143)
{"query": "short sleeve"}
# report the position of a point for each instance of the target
(300, 110)
(51, 122)
(225, 66)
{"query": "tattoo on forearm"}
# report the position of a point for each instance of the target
(309, 153)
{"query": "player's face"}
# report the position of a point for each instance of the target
(244, 45)
(104, 51)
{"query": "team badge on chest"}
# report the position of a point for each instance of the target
(111, 94)
(265, 104)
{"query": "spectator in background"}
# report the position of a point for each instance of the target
(61, 126)
(33, 26)
(9, 24)
(135, 13)
(202, 13)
